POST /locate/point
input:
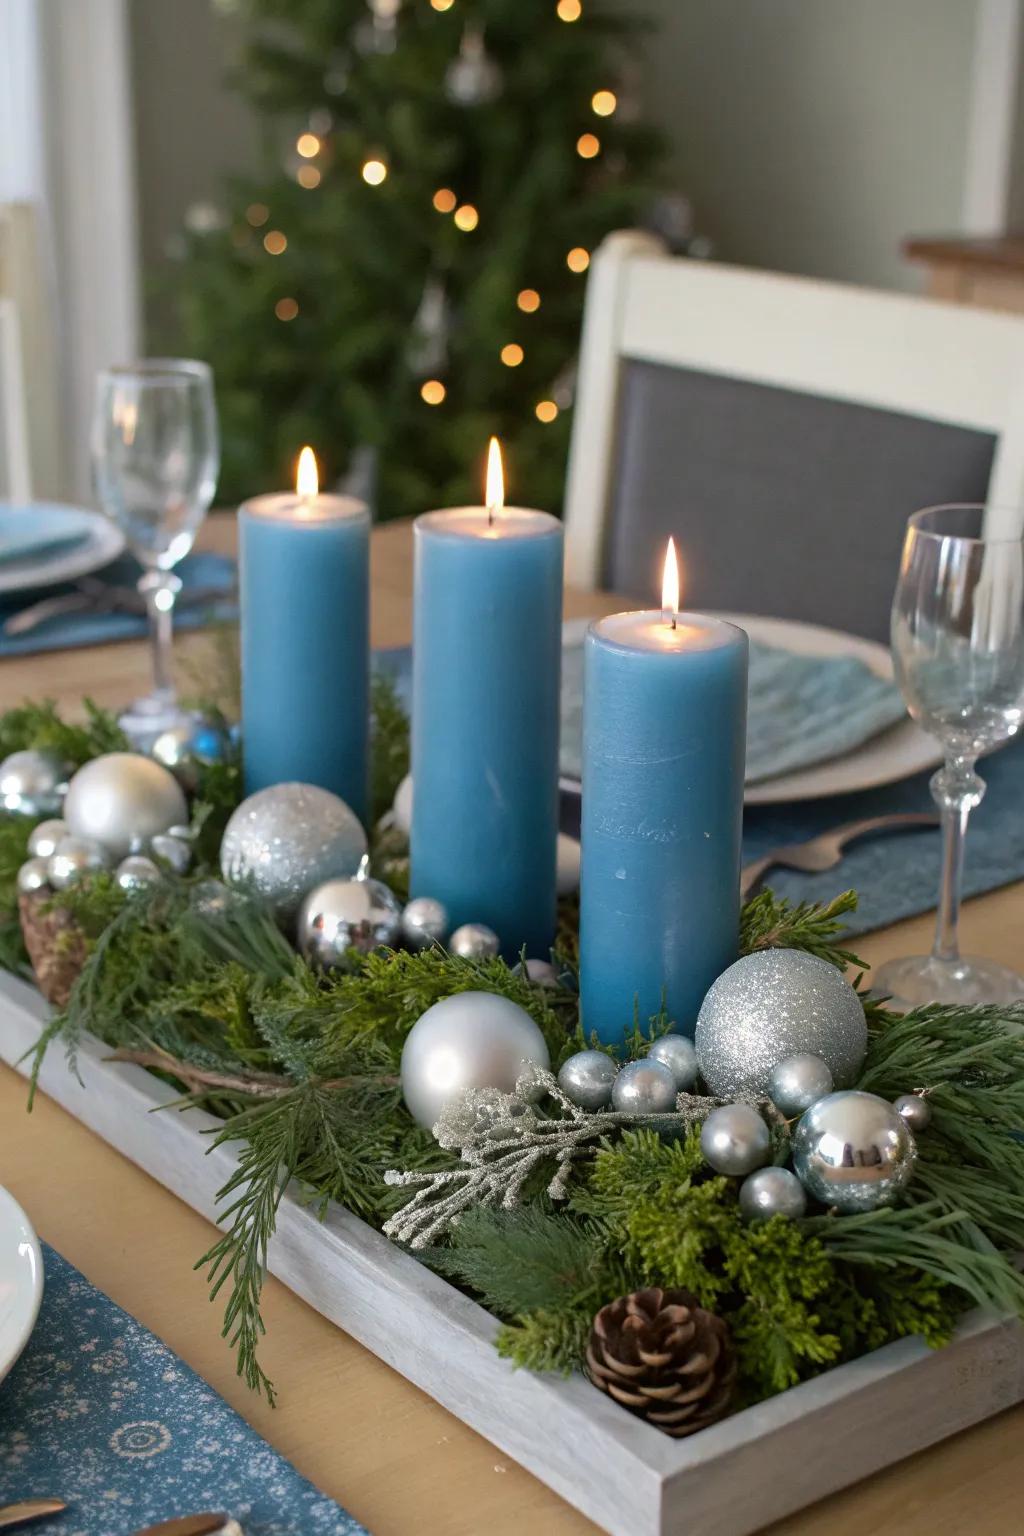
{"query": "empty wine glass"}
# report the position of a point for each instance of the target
(958, 650)
(156, 454)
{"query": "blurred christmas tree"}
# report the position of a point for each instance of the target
(408, 277)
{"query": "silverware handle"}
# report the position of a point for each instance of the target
(752, 874)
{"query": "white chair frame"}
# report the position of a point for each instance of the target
(944, 362)
(15, 460)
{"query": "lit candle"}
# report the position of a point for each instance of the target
(487, 652)
(304, 583)
(664, 729)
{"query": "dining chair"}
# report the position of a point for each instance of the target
(782, 429)
(15, 470)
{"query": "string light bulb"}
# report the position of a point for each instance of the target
(286, 309)
(604, 103)
(512, 354)
(308, 176)
(569, 10)
(308, 145)
(374, 171)
(433, 392)
(528, 301)
(588, 145)
(274, 242)
(578, 259)
(257, 214)
(545, 410)
(466, 217)
(445, 200)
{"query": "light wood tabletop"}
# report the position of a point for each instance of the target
(363, 1434)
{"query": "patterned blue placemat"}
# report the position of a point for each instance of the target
(99, 1413)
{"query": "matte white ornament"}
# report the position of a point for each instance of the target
(568, 873)
(121, 800)
(44, 838)
(32, 783)
(470, 1040)
(401, 808)
(34, 875)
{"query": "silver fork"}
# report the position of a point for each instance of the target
(826, 850)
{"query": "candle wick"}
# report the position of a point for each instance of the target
(674, 621)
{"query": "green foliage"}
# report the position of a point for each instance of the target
(771, 922)
(14, 835)
(40, 726)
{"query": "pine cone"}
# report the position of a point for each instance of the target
(56, 945)
(666, 1359)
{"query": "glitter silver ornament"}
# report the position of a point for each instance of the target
(340, 916)
(474, 941)
(32, 783)
(797, 1082)
(136, 873)
(424, 922)
(588, 1078)
(735, 1140)
(644, 1088)
(191, 743)
(122, 799)
(916, 1111)
(34, 875)
(173, 851)
(679, 1054)
(284, 840)
(772, 1192)
(44, 838)
(853, 1151)
(73, 858)
(471, 1040)
(772, 1004)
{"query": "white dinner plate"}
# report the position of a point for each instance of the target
(894, 754)
(101, 542)
(21, 1280)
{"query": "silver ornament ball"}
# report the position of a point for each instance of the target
(73, 859)
(44, 838)
(283, 841)
(424, 922)
(916, 1111)
(191, 743)
(34, 875)
(797, 1082)
(172, 851)
(401, 807)
(122, 799)
(644, 1088)
(679, 1054)
(772, 1004)
(772, 1192)
(470, 1040)
(588, 1078)
(32, 783)
(474, 941)
(212, 899)
(541, 972)
(853, 1151)
(136, 873)
(340, 917)
(567, 876)
(735, 1140)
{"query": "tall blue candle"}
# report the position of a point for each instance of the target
(664, 730)
(487, 648)
(304, 587)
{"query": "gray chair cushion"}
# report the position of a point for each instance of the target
(781, 503)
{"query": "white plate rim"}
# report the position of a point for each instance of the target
(103, 544)
(894, 754)
(13, 1219)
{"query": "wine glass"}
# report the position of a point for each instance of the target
(958, 650)
(156, 453)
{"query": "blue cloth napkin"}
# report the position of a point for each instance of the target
(99, 1413)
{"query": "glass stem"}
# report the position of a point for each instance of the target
(159, 589)
(956, 789)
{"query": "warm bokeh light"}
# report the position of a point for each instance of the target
(578, 259)
(604, 103)
(545, 410)
(257, 214)
(670, 586)
(307, 478)
(374, 171)
(512, 354)
(308, 176)
(588, 145)
(308, 145)
(528, 300)
(494, 494)
(444, 200)
(433, 392)
(442, 5)
(466, 217)
(240, 236)
(274, 242)
(569, 10)
(286, 309)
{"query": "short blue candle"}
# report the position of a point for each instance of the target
(663, 747)
(304, 590)
(487, 650)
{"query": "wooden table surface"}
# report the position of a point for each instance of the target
(378, 1445)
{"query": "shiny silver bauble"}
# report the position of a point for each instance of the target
(44, 838)
(797, 1082)
(853, 1151)
(136, 873)
(644, 1088)
(678, 1053)
(32, 783)
(284, 840)
(772, 1192)
(173, 851)
(588, 1078)
(735, 1140)
(193, 742)
(342, 917)
(916, 1111)
(121, 800)
(73, 859)
(541, 972)
(474, 941)
(470, 1040)
(424, 922)
(772, 1004)
(34, 875)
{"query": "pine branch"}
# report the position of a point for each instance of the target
(254, 1085)
(771, 922)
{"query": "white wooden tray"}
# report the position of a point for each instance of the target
(726, 1481)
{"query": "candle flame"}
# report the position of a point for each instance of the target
(307, 480)
(495, 493)
(670, 586)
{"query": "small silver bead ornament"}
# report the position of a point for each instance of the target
(34, 875)
(735, 1140)
(853, 1151)
(474, 941)
(137, 873)
(797, 1082)
(73, 859)
(342, 917)
(679, 1054)
(541, 972)
(772, 1192)
(173, 851)
(32, 783)
(43, 839)
(192, 743)
(644, 1088)
(424, 923)
(916, 1111)
(587, 1078)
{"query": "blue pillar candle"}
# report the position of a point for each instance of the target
(664, 733)
(304, 595)
(487, 650)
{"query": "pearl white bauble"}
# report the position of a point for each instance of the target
(43, 839)
(121, 800)
(401, 807)
(470, 1040)
(568, 876)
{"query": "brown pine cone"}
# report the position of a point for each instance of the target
(666, 1359)
(55, 943)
